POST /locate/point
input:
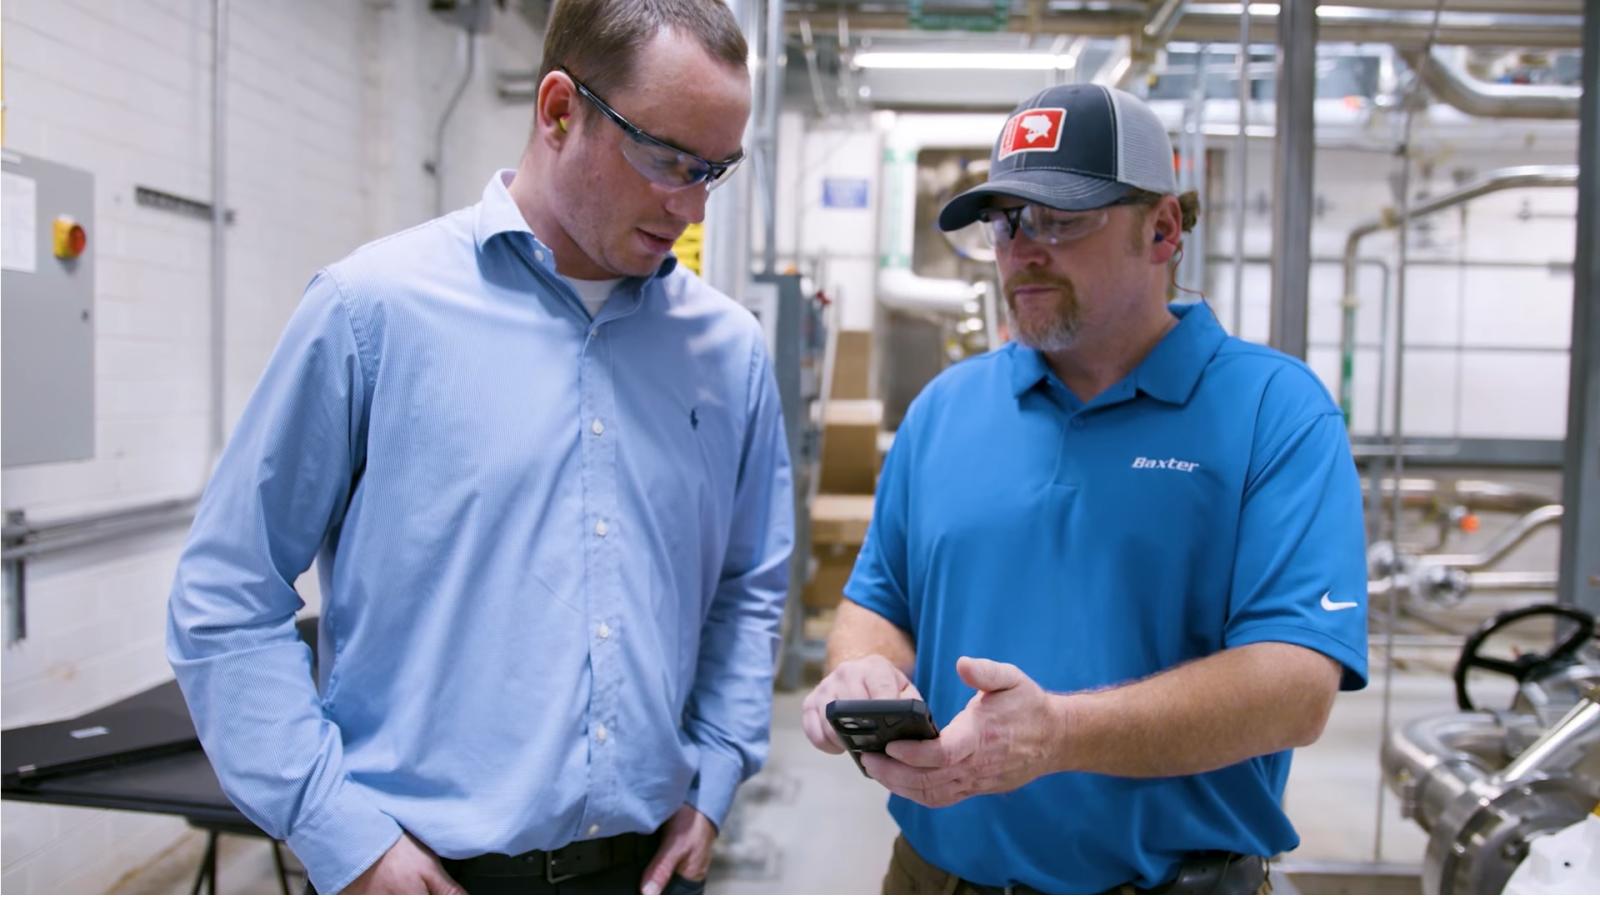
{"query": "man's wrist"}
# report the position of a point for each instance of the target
(1062, 715)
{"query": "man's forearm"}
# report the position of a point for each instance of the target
(1214, 712)
(859, 632)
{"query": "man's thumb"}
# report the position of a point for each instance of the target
(988, 675)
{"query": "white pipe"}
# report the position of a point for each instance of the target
(904, 290)
(1452, 84)
(219, 222)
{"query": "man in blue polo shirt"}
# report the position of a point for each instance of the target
(1121, 558)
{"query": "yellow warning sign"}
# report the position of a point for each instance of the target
(689, 247)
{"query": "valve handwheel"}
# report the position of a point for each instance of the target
(1527, 666)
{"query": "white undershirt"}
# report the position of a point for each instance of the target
(592, 293)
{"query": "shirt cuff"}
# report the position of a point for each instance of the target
(343, 839)
(712, 791)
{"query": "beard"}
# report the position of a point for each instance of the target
(1045, 326)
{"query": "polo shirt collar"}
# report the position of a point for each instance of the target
(1169, 373)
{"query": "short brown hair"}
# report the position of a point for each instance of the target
(1188, 205)
(1189, 214)
(598, 41)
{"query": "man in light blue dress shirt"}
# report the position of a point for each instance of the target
(542, 471)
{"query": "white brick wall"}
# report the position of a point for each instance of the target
(332, 109)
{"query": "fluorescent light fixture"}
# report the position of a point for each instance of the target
(884, 59)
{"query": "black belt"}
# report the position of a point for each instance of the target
(1199, 873)
(555, 866)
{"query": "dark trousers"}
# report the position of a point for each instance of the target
(909, 873)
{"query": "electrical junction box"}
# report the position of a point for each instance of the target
(47, 253)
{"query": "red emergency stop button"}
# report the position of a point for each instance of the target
(70, 238)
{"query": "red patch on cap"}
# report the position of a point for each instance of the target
(1032, 130)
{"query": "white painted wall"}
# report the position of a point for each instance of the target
(332, 108)
(844, 241)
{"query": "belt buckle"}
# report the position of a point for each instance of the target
(550, 870)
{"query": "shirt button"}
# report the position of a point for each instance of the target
(603, 632)
(594, 829)
(600, 733)
(600, 528)
(597, 427)
(538, 255)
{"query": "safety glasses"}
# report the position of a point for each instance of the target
(1041, 224)
(659, 161)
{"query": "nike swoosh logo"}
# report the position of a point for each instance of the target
(1329, 604)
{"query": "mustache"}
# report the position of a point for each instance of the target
(1039, 280)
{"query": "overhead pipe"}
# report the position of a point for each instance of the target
(1219, 23)
(1149, 40)
(1118, 64)
(1498, 180)
(1501, 7)
(1451, 83)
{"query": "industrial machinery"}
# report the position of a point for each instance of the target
(1428, 577)
(1486, 784)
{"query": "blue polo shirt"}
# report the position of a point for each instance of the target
(1208, 500)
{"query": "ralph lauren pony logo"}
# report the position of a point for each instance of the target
(694, 418)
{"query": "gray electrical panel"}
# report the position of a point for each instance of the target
(47, 302)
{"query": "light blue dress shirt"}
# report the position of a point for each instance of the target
(553, 553)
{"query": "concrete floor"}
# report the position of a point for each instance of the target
(809, 823)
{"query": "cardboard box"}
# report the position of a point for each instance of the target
(835, 562)
(850, 446)
(840, 518)
(838, 528)
(852, 365)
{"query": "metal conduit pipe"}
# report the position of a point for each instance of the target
(1503, 7)
(1241, 167)
(1220, 23)
(1451, 83)
(1510, 582)
(1481, 495)
(1492, 182)
(23, 541)
(771, 97)
(219, 222)
(1149, 39)
(1164, 20)
(1431, 761)
(435, 166)
(1506, 541)
(1563, 745)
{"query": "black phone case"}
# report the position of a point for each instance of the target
(868, 726)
